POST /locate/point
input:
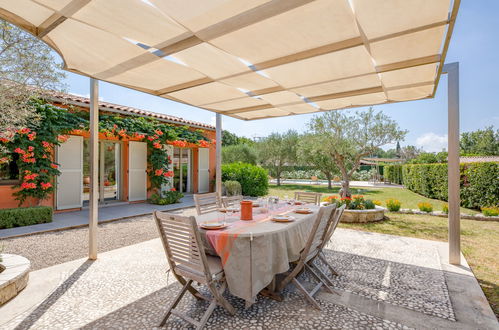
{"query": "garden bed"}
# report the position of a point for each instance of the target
(14, 278)
(362, 216)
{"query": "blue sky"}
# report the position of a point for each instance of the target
(474, 44)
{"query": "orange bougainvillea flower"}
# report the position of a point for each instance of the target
(45, 185)
(24, 131)
(173, 189)
(159, 132)
(31, 148)
(55, 166)
(180, 144)
(32, 136)
(28, 185)
(62, 138)
(203, 144)
(157, 145)
(158, 172)
(4, 140)
(19, 150)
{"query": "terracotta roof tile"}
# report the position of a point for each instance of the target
(66, 97)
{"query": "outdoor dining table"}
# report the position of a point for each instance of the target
(253, 252)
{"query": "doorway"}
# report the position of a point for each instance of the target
(182, 170)
(109, 172)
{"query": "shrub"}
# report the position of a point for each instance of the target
(166, 197)
(445, 208)
(425, 207)
(303, 174)
(331, 199)
(357, 202)
(25, 216)
(393, 205)
(377, 202)
(232, 188)
(393, 173)
(492, 211)
(477, 182)
(253, 179)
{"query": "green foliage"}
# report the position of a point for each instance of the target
(393, 173)
(445, 208)
(312, 152)
(430, 158)
(425, 207)
(166, 197)
(393, 205)
(357, 202)
(349, 138)
(239, 153)
(480, 142)
(233, 188)
(277, 150)
(231, 139)
(479, 182)
(24, 216)
(253, 179)
(35, 144)
(492, 211)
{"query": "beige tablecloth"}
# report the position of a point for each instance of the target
(253, 252)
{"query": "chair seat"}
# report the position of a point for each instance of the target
(214, 263)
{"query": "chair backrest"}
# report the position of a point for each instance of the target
(206, 203)
(335, 219)
(183, 247)
(231, 201)
(308, 197)
(316, 235)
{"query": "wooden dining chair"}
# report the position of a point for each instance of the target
(308, 197)
(333, 223)
(188, 262)
(231, 201)
(206, 203)
(310, 251)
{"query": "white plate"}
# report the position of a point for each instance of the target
(212, 224)
(283, 218)
(303, 210)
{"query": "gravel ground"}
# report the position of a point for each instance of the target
(48, 249)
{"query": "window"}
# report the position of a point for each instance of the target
(9, 172)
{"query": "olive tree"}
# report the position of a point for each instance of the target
(276, 151)
(346, 138)
(27, 66)
(312, 152)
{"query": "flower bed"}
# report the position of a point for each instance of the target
(371, 215)
(358, 209)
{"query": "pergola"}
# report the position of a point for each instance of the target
(255, 59)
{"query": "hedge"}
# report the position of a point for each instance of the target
(253, 179)
(393, 173)
(479, 182)
(25, 216)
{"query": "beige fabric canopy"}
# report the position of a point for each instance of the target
(251, 59)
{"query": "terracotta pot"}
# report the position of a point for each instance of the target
(86, 180)
(246, 210)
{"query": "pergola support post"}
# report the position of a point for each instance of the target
(452, 70)
(94, 169)
(218, 171)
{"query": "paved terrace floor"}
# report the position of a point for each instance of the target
(385, 282)
(111, 212)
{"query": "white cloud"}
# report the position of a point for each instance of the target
(432, 142)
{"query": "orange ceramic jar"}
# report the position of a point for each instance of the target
(246, 210)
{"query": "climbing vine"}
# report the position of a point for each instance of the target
(32, 147)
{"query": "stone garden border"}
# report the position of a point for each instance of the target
(363, 216)
(15, 276)
(479, 217)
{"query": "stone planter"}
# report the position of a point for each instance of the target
(362, 216)
(14, 278)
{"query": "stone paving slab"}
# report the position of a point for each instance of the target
(129, 288)
(73, 219)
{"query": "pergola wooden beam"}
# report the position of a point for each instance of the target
(57, 18)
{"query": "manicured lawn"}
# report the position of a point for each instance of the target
(480, 243)
(408, 199)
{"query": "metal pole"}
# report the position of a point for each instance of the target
(181, 174)
(219, 154)
(101, 172)
(452, 70)
(94, 169)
